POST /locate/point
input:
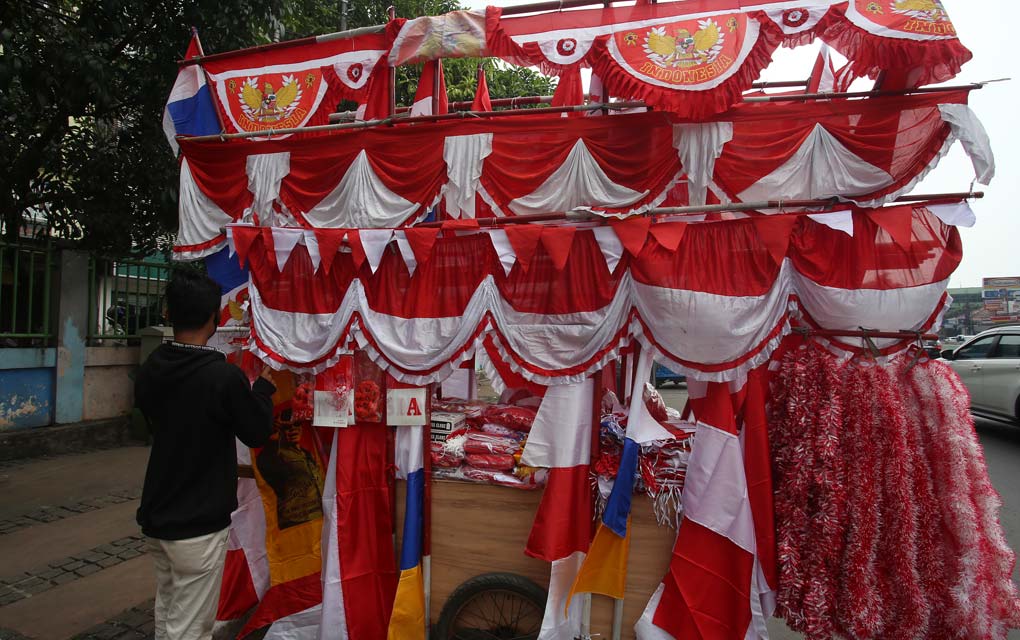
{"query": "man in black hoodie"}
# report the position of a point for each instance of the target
(195, 404)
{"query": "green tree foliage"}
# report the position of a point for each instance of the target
(82, 89)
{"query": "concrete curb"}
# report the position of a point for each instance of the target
(23, 444)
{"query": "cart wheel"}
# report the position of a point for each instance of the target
(493, 606)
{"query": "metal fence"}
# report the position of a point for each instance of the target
(125, 295)
(27, 298)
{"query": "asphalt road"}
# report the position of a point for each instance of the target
(1001, 443)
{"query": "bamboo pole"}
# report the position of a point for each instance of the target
(459, 115)
(208, 80)
(465, 105)
(275, 46)
(827, 203)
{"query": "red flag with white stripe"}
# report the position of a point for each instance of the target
(720, 581)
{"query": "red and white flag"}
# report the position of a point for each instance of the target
(423, 97)
(482, 101)
(825, 78)
(561, 441)
(723, 572)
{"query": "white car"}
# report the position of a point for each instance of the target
(989, 364)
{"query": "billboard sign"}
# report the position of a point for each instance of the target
(1001, 296)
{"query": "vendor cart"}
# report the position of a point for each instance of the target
(764, 246)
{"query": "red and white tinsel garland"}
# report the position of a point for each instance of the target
(887, 523)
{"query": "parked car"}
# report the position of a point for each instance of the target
(664, 375)
(989, 364)
(933, 348)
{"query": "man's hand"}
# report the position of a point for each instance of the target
(267, 373)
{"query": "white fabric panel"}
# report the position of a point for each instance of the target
(715, 492)
(460, 384)
(505, 250)
(556, 625)
(200, 217)
(610, 245)
(763, 604)
(464, 156)
(957, 214)
(406, 252)
(561, 433)
(300, 337)
(311, 242)
(558, 342)
(265, 172)
(838, 220)
(248, 526)
(374, 242)
(408, 450)
(641, 426)
(644, 628)
(822, 167)
(888, 309)
(303, 625)
(698, 147)
(331, 621)
(422, 107)
(284, 241)
(361, 200)
(579, 181)
(355, 67)
(971, 133)
(710, 328)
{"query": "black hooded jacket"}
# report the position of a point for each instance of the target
(195, 403)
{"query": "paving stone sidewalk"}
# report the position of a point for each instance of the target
(46, 514)
(58, 572)
(135, 623)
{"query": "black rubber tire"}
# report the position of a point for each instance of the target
(468, 591)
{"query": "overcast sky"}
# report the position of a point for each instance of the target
(992, 247)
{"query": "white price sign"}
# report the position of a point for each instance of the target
(326, 412)
(405, 407)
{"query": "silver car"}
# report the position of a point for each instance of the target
(989, 364)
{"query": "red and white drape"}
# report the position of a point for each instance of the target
(868, 152)
(554, 304)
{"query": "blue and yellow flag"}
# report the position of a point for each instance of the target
(407, 622)
(604, 569)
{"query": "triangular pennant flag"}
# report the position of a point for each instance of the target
(312, 244)
(524, 239)
(406, 252)
(838, 220)
(329, 245)
(669, 234)
(422, 241)
(504, 250)
(284, 241)
(357, 249)
(374, 242)
(482, 102)
(956, 214)
(774, 232)
(610, 245)
(244, 236)
(897, 221)
(557, 242)
(632, 232)
(422, 105)
(268, 246)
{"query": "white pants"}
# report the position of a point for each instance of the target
(188, 577)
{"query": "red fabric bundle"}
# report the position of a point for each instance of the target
(502, 479)
(653, 401)
(483, 443)
(516, 418)
(500, 431)
(491, 461)
(302, 404)
(444, 456)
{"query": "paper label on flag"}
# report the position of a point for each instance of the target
(406, 407)
(326, 412)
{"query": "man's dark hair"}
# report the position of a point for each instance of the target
(191, 299)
